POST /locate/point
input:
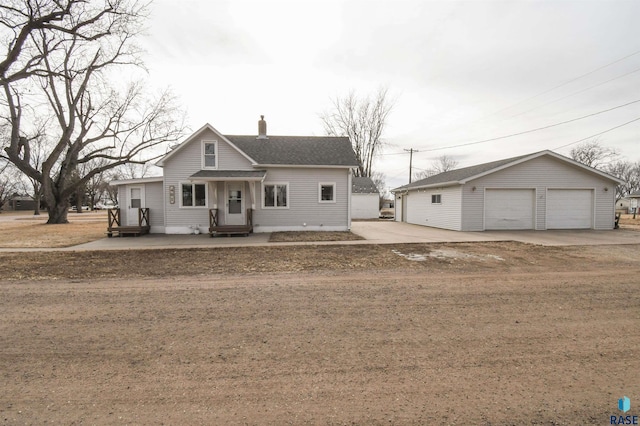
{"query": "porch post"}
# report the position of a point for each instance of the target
(215, 194)
(252, 193)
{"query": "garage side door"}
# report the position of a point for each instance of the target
(509, 209)
(569, 209)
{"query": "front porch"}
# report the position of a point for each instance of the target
(115, 226)
(216, 229)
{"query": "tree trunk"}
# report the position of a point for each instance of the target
(58, 213)
(57, 205)
(36, 210)
(79, 199)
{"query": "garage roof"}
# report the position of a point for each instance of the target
(465, 174)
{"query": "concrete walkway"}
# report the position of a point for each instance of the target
(397, 232)
(379, 232)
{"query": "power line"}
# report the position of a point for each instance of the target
(532, 130)
(519, 133)
(575, 93)
(566, 82)
(597, 134)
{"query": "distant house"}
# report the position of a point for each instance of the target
(365, 198)
(634, 202)
(623, 205)
(543, 190)
(252, 183)
(19, 202)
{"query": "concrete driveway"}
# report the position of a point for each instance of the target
(387, 232)
(379, 232)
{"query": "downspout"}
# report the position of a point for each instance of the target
(350, 191)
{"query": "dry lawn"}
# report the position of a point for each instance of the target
(312, 236)
(628, 222)
(476, 334)
(27, 231)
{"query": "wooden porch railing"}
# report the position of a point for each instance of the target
(216, 228)
(114, 217)
(115, 223)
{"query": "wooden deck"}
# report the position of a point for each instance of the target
(216, 229)
(116, 228)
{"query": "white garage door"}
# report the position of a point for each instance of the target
(569, 209)
(509, 208)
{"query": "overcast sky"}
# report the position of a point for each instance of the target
(459, 71)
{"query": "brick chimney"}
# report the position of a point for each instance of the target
(262, 128)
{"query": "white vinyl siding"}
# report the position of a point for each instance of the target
(365, 206)
(185, 163)
(540, 173)
(420, 210)
(509, 209)
(569, 209)
(154, 201)
(303, 210)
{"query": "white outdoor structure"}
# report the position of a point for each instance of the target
(365, 199)
(543, 190)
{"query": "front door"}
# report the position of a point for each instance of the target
(235, 203)
(136, 202)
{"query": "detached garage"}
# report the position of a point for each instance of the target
(538, 191)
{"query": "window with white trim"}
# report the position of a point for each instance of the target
(327, 192)
(193, 194)
(436, 199)
(275, 195)
(209, 154)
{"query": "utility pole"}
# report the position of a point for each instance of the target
(411, 151)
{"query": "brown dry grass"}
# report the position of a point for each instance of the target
(628, 222)
(312, 236)
(26, 231)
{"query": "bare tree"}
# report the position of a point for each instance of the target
(593, 154)
(9, 183)
(442, 164)
(378, 179)
(60, 61)
(628, 172)
(363, 120)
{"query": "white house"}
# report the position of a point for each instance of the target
(543, 190)
(239, 184)
(365, 198)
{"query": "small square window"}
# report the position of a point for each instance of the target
(436, 199)
(327, 193)
(194, 195)
(275, 195)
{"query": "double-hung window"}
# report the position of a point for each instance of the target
(327, 192)
(275, 195)
(209, 154)
(193, 194)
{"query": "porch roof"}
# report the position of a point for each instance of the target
(229, 175)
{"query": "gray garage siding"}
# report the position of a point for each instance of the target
(446, 215)
(303, 200)
(539, 173)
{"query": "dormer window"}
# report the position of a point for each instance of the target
(209, 154)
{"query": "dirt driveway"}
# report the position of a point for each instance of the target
(435, 334)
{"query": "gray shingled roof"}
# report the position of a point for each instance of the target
(297, 150)
(460, 174)
(258, 174)
(363, 185)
